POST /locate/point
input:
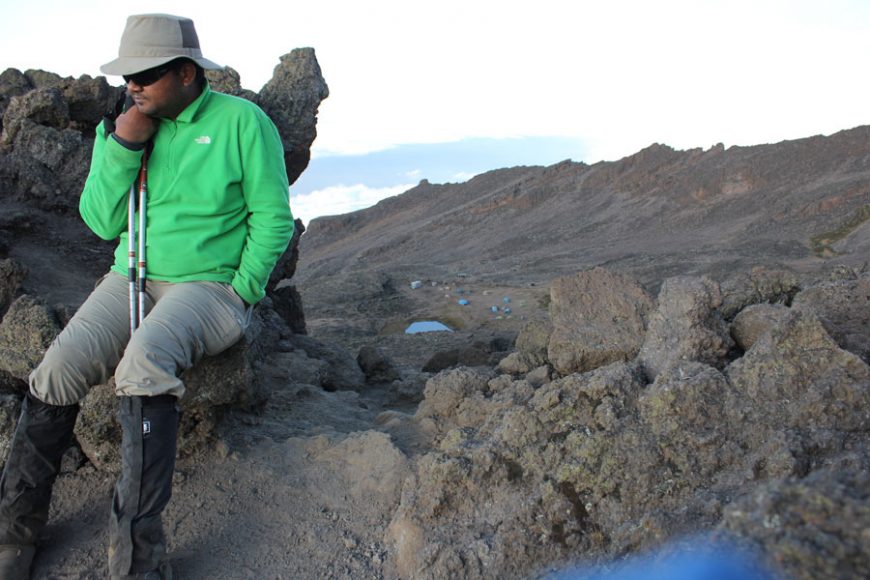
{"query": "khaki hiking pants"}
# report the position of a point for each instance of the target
(183, 322)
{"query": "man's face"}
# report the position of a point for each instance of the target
(164, 97)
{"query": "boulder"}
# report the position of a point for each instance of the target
(599, 464)
(531, 348)
(815, 527)
(496, 496)
(533, 340)
(330, 366)
(376, 366)
(796, 376)
(12, 84)
(88, 99)
(227, 80)
(25, 334)
(757, 286)
(40, 78)
(755, 320)
(43, 155)
(212, 387)
(49, 121)
(291, 98)
(682, 409)
(843, 308)
(598, 317)
(539, 377)
(45, 107)
(686, 326)
(286, 300)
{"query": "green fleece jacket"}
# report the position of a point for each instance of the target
(218, 198)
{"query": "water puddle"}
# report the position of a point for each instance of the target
(427, 326)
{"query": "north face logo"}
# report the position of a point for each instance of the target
(204, 140)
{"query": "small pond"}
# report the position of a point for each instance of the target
(427, 326)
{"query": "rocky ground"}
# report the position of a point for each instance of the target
(737, 415)
(612, 410)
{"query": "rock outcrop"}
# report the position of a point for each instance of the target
(598, 318)
(601, 462)
(212, 387)
(48, 131)
(291, 99)
(686, 326)
(49, 122)
(843, 308)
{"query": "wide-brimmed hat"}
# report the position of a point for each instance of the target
(150, 40)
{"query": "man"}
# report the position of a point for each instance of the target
(218, 219)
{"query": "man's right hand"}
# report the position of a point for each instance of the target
(134, 126)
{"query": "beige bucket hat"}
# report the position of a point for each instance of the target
(150, 40)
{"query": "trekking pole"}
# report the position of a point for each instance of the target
(143, 199)
(137, 307)
(131, 256)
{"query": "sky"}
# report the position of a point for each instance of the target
(444, 90)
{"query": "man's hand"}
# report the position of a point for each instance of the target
(134, 126)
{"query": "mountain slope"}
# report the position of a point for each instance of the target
(655, 213)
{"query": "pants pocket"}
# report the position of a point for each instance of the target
(234, 325)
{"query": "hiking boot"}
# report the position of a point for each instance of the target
(43, 434)
(15, 561)
(137, 543)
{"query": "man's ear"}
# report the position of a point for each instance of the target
(188, 73)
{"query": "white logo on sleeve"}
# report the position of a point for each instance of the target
(204, 140)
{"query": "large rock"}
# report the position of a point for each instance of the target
(88, 99)
(686, 326)
(48, 133)
(755, 320)
(326, 365)
(447, 397)
(682, 409)
(291, 98)
(598, 317)
(531, 348)
(43, 157)
(227, 80)
(811, 528)
(755, 287)
(496, 497)
(25, 334)
(12, 84)
(599, 463)
(212, 387)
(286, 300)
(843, 307)
(796, 376)
(45, 107)
(49, 121)
(376, 366)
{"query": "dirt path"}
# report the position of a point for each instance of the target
(304, 490)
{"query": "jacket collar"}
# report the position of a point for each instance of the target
(189, 114)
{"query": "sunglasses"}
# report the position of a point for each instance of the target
(148, 77)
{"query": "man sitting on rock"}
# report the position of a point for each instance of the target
(218, 219)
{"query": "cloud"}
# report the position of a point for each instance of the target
(340, 199)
